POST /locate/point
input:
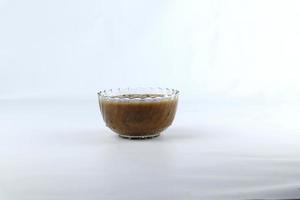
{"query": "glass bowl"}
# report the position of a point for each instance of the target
(138, 113)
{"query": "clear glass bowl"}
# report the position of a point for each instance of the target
(138, 113)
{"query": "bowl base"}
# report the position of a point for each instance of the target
(139, 137)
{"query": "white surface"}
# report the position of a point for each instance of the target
(215, 150)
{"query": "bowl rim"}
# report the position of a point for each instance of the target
(167, 93)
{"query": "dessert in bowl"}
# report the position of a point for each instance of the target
(138, 113)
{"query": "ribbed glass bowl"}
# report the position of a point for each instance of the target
(138, 113)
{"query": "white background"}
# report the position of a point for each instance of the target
(223, 48)
(236, 134)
